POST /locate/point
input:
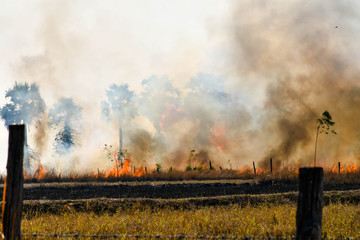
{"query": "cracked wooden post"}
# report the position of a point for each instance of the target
(309, 209)
(13, 187)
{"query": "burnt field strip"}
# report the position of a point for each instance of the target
(163, 190)
(112, 205)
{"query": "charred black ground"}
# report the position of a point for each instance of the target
(165, 190)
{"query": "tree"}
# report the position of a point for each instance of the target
(120, 103)
(65, 114)
(26, 104)
(120, 107)
(25, 107)
(160, 102)
(324, 124)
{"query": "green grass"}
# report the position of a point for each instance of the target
(339, 220)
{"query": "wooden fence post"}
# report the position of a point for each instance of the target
(309, 209)
(254, 168)
(13, 187)
(339, 166)
(270, 165)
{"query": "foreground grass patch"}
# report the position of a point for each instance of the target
(339, 220)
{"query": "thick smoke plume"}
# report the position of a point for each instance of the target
(304, 55)
(277, 66)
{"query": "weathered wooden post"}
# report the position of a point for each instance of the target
(254, 168)
(210, 165)
(339, 165)
(13, 187)
(309, 209)
(270, 165)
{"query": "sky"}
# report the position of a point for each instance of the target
(265, 54)
(78, 48)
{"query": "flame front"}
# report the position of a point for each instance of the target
(125, 169)
(40, 172)
(349, 169)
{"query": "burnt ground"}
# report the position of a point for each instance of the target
(163, 190)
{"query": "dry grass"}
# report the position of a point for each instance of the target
(173, 175)
(106, 205)
(286, 174)
(339, 220)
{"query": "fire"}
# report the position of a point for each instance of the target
(335, 169)
(40, 172)
(353, 169)
(343, 169)
(125, 169)
(139, 172)
(245, 170)
(117, 170)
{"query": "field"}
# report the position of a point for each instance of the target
(271, 219)
(257, 206)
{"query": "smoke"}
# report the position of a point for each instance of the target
(41, 136)
(26, 104)
(144, 149)
(120, 104)
(65, 118)
(303, 53)
(246, 85)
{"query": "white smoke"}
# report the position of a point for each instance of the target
(269, 70)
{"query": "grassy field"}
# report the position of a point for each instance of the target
(237, 215)
(339, 220)
(242, 215)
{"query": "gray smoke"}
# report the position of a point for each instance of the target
(304, 54)
(65, 118)
(275, 68)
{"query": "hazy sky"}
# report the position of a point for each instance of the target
(282, 62)
(78, 48)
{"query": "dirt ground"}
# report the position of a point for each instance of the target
(162, 190)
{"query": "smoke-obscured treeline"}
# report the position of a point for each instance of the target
(275, 68)
(205, 122)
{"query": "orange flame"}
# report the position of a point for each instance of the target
(139, 172)
(343, 169)
(125, 169)
(353, 169)
(244, 170)
(39, 173)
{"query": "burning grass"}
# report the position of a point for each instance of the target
(345, 174)
(264, 219)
